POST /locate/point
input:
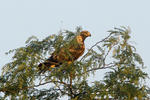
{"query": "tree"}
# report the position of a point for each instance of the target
(124, 80)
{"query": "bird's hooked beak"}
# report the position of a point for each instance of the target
(89, 34)
(85, 33)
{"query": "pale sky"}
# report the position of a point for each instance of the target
(20, 19)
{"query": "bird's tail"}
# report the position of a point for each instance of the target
(43, 67)
(47, 65)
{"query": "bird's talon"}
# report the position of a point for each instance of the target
(52, 66)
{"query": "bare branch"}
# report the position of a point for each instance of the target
(24, 88)
(51, 82)
(106, 56)
(60, 88)
(95, 45)
(110, 65)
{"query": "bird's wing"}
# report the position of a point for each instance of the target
(71, 52)
(68, 53)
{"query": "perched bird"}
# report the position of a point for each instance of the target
(68, 53)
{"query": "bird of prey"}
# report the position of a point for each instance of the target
(68, 53)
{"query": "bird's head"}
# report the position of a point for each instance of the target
(85, 33)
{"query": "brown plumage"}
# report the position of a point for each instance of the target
(68, 53)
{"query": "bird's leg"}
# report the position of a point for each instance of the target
(52, 66)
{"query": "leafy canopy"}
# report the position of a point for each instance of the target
(21, 79)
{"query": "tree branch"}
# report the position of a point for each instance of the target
(50, 82)
(104, 67)
(106, 56)
(24, 88)
(60, 89)
(70, 86)
(95, 45)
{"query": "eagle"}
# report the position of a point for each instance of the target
(68, 53)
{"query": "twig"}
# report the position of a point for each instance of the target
(24, 88)
(104, 67)
(51, 82)
(70, 87)
(106, 56)
(7, 90)
(60, 89)
(95, 45)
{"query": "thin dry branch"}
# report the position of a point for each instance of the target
(50, 82)
(24, 88)
(110, 65)
(60, 88)
(95, 45)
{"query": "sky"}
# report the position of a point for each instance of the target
(20, 19)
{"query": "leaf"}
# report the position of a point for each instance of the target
(123, 81)
(114, 52)
(31, 39)
(138, 58)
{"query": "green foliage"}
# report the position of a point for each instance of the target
(21, 79)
